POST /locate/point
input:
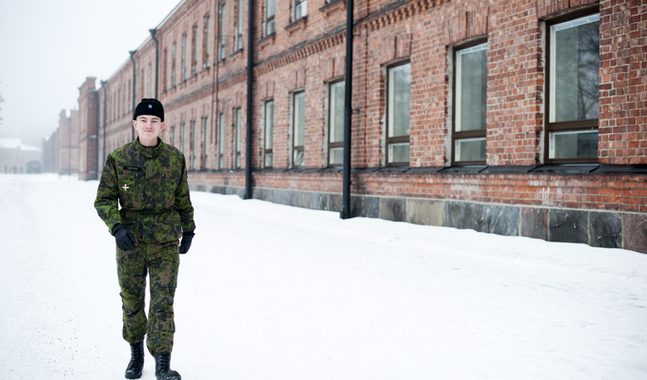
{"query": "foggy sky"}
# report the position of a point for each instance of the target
(48, 48)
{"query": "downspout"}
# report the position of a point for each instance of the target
(348, 112)
(132, 58)
(250, 79)
(156, 56)
(105, 97)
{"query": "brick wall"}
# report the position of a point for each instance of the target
(623, 82)
(309, 54)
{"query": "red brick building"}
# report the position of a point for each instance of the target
(525, 118)
(67, 150)
(88, 109)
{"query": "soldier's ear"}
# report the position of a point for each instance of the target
(135, 124)
(162, 126)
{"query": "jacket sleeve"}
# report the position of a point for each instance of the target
(183, 201)
(107, 200)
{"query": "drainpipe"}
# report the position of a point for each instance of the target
(132, 58)
(250, 79)
(348, 112)
(156, 56)
(105, 97)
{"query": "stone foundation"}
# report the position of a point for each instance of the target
(606, 229)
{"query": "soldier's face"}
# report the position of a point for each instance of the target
(148, 128)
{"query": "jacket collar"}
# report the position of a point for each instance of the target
(149, 151)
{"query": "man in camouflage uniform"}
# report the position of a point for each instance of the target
(147, 178)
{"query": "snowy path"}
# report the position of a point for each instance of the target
(275, 292)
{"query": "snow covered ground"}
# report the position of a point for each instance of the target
(276, 292)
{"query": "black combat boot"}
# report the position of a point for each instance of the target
(162, 368)
(134, 369)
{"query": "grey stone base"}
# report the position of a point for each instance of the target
(607, 229)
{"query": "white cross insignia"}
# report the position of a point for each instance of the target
(125, 187)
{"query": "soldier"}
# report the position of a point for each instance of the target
(147, 178)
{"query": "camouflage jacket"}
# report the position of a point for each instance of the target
(150, 184)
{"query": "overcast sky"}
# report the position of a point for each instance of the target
(48, 48)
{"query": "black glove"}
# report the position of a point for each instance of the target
(125, 240)
(185, 244)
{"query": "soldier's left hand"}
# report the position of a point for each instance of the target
(185, 244)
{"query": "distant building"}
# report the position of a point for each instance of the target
(88, 130)
(68, 142)
(14, 156)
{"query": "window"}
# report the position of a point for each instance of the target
(150, 80)
(194, 50)
(336, 124)
(173, 59)
(221, 35)
(164, 78)
(268, 25)
(181, 147)
(205, 140)
(238, 36)
(183, 73)
(397, 142)
(192, 144)
(299, 9)
(220, 141)
(470, 91)
(573, 89)
(268, 124)
(298, 127)
(237, 138)
(206, 42)
(172, 137)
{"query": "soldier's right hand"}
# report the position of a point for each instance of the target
(125, 240)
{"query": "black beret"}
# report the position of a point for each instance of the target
(149, 106)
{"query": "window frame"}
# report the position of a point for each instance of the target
(293, 120)
(465, 135)
(238, 31)
(330, 143)
(173, 64)
(268, 128)
(205, 142)
(295, 4)
(192, 138)
(571, 125)
(205, 41)
(222, 29)
(269, 19)
(396, 139)
(150, 80)
(220, 134)
(183, 67)
(194, 50)
(182, 140)
(238, 141)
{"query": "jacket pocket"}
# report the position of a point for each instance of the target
(130, 188)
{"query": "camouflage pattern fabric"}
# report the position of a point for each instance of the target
(151, 186)
(161, 261)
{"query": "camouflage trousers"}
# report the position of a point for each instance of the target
(161, 262)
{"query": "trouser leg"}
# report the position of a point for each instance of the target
(131, 270)
(163, 268)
